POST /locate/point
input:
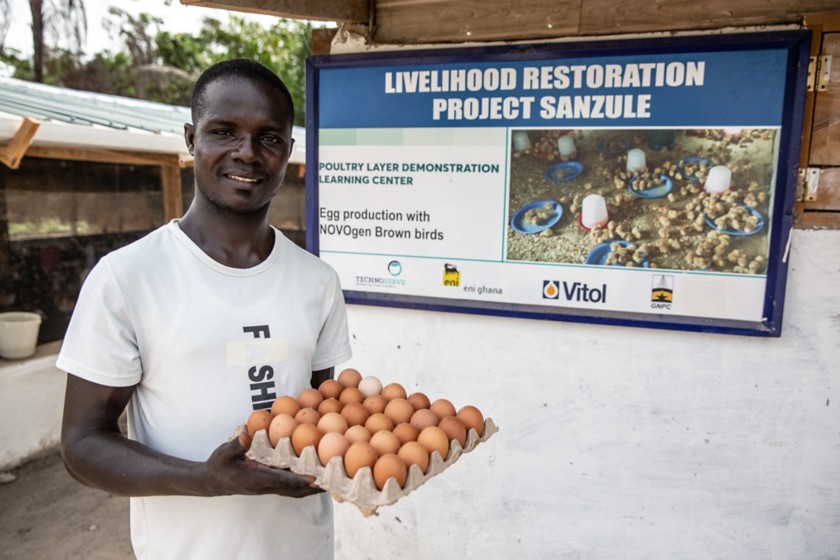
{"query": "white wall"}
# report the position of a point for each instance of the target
(31, 405)
(620, 442)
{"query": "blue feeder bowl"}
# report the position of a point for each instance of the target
(563, 171)
(737, 233)
(599, 254)
(655, 192)
(518, 220)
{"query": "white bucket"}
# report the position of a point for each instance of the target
(18, 334)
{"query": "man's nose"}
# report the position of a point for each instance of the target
(246, 149)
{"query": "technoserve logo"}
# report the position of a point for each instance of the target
(394, 268)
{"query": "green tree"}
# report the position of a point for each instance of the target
(283, 47)
(161, 66)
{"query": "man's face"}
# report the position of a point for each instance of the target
(241, 145)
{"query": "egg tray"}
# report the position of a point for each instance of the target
(360, 490)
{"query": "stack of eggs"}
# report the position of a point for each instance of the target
(368, 425)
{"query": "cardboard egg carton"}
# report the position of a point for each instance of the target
(359, 490)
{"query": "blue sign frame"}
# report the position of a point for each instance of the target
(751, 82)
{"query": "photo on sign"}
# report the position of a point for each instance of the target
(679, 199)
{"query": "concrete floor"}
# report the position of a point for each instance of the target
(46, 515)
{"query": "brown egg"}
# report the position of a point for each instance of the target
(310, 398)
(357, 433)
(281, 427)
(286, 404)
(375, 403)
(389, 466)
(385, 442)
(350, 377)
(393, 391)
(358, 456)
(307, 416)
(329, 405)
(399, 410)
(355, 414)
(378, 422)
(413, 453)
(405, 432)
(471, 418)
(434, 439)
(442, 408)
(332, 445)
(258, 420)
(330, 388)
(454, 429)
(304, 436)
(424, 418)
(370, 386)
(332, 422)
(419, 400)
(351, 394)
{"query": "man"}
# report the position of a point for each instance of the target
(193, 327)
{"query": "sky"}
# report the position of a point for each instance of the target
(176, 18)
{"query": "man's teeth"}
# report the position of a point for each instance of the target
(243, 179)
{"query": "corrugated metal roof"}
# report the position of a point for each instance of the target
(83, 119)
(44, 102)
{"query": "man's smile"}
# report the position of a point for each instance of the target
(241, 178)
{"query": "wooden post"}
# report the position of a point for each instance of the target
(5, 244)
(170, 175)
(14, 152)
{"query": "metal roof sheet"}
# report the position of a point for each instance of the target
(45, 102)
(83, 119)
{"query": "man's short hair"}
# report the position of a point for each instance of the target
(238, 69)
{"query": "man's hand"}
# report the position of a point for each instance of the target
(236, 474)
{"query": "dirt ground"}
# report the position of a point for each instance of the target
(46, 515)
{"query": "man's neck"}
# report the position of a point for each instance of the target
(234, 241)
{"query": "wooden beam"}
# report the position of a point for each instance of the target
(104, 156)
(14, 152)
(170, 176)
(431, 21)
(343, 11)
(620, 16)
(322, 40)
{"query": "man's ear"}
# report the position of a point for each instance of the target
(189, 137)
(291, 146)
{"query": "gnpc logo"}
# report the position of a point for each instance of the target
(662, 292)
(395, 268)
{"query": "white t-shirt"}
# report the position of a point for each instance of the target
(205, 345)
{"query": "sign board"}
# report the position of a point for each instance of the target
(634, 182)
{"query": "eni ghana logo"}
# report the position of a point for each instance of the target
(451, 276)
(662, 292)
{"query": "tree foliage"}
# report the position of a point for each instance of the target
(158, 65)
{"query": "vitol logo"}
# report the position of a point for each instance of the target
(574, 291)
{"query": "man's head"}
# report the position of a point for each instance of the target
(238, 69)
(240, 138)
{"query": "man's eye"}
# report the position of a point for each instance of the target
(223, 132)
(272, 139)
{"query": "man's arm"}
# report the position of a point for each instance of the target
(320, 376)
(97, 454)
